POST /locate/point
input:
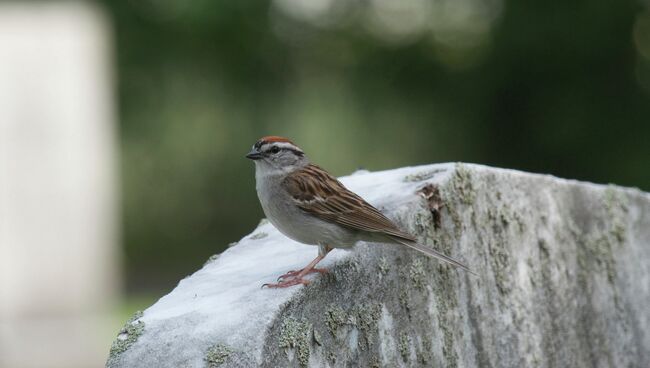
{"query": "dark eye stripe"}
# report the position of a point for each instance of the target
(279, 149)
(296, 152)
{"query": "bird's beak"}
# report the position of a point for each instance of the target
(254, 155)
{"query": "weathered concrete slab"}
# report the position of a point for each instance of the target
(564, 281)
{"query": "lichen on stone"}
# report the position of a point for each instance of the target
(417, 274)
(619, 231)
(259, 235)
(445, 292)
(128, 335)
(331, 357)
(448, 348)
(367, 320)
(335, 317)
(364, 317)
(317, 338)
(423, 175)
(507, 217)
(603, 247)
(295, 334)
(217, 355)
(211, 259)
(404, 300)
(451, 206)
(500, 260)
(499, 218)
(596, 254)
(404, 346)
(613, 199)
(383, 266)
(424, 356)
(462, 184)
(617, 208)
(421, 223)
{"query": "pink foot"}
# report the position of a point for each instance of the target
(287, 283)
(296, 273)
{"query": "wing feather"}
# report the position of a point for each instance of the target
(320, 194)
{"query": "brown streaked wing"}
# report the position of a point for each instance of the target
(320, 194)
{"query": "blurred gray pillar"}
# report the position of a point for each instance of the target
(58, 240)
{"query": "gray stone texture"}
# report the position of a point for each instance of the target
(564, 281)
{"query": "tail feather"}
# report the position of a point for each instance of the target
(435, 254)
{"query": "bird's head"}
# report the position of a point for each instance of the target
(277, 154)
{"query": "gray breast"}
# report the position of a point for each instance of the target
(293, 222)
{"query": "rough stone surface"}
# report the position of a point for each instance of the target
(564, 281)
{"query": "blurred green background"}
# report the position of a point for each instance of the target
(559, 87)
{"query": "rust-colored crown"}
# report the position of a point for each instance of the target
(274, 138)
(271, 139)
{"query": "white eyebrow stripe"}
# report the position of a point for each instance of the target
(284, 145)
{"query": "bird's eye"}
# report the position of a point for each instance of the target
(275, 149)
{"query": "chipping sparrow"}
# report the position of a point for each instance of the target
(310, 206)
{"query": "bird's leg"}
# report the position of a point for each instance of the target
(296, 277)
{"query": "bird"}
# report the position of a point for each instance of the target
(307, 204)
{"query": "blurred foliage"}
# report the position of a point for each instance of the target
(554, 87)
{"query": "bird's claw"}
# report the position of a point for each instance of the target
(284, 284)
(294, 273)
(291, 273)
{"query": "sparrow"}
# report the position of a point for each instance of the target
(307, 204)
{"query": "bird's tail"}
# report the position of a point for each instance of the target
(434, 253)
